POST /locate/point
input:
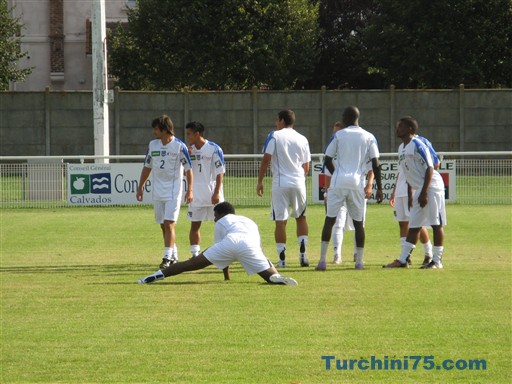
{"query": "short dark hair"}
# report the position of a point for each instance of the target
(410, 123)
(164, 124)
(350, 116)
(224, 208)
(195, 126)
(288, 116)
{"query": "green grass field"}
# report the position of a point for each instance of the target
(73, 313)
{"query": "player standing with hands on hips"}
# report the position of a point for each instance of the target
(288, 153)
(167, 157)
(352, 147)
(428, 203)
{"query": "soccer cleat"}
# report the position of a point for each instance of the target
(396, 264)
(433, 265)
(151, 279)
(337, 259)
(359, 266)
(304, 262)
(281, 264)
(165, 263)
(321, 266)
(280, 279)
(426, 261)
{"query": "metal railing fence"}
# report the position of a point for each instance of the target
(41, 182)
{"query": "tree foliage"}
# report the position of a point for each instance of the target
(10, 51)
(211, 44)
(441, 43)
(343, 62)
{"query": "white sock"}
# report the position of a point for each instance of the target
(323, 250)
(281, 248)
(407, 248)
(175, 251)
(402, 240)
(195, 250)
(167, 253)
(438, 254)
(427, 249)
(359, 253)
(337, 240)
(301, 239)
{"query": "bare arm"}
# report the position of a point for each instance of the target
(142, 182)
(329, 165)
(422, 198)
(377, 175)
(306, 168)
(261, 174)
(369, 185)
(189, 196)
(218, 184)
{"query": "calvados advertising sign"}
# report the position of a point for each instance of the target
(105, 184)
(388, 172)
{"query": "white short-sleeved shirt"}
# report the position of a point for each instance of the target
(207, 163)
(352, 148)
(289, 150)
(167, 163)
(237, 238)
(401, 184)
(414, 159)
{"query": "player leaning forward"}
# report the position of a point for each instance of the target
(237, 238)
(428, 202)
(167, 158)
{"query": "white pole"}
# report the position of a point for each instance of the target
(100, 84)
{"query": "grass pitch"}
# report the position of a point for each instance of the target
(73, 313)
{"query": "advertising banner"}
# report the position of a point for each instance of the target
(389, 171)
(105, 184)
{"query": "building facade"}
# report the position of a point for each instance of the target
(56, 36)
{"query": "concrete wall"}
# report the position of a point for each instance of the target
(61, 123)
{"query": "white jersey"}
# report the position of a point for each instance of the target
(207, 163)
(234, 225)
(413, 160)
(167, 162)
(289, 150)
(401, 183)
(352, 149)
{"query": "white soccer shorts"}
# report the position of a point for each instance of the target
(200, 213)
(237, 247)
(352, 198)
(401, 208)
(434, 213)
(285, 199)
(166, 210)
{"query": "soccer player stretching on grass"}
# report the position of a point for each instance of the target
(428, 205)
(237, 238)
(167, 157)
